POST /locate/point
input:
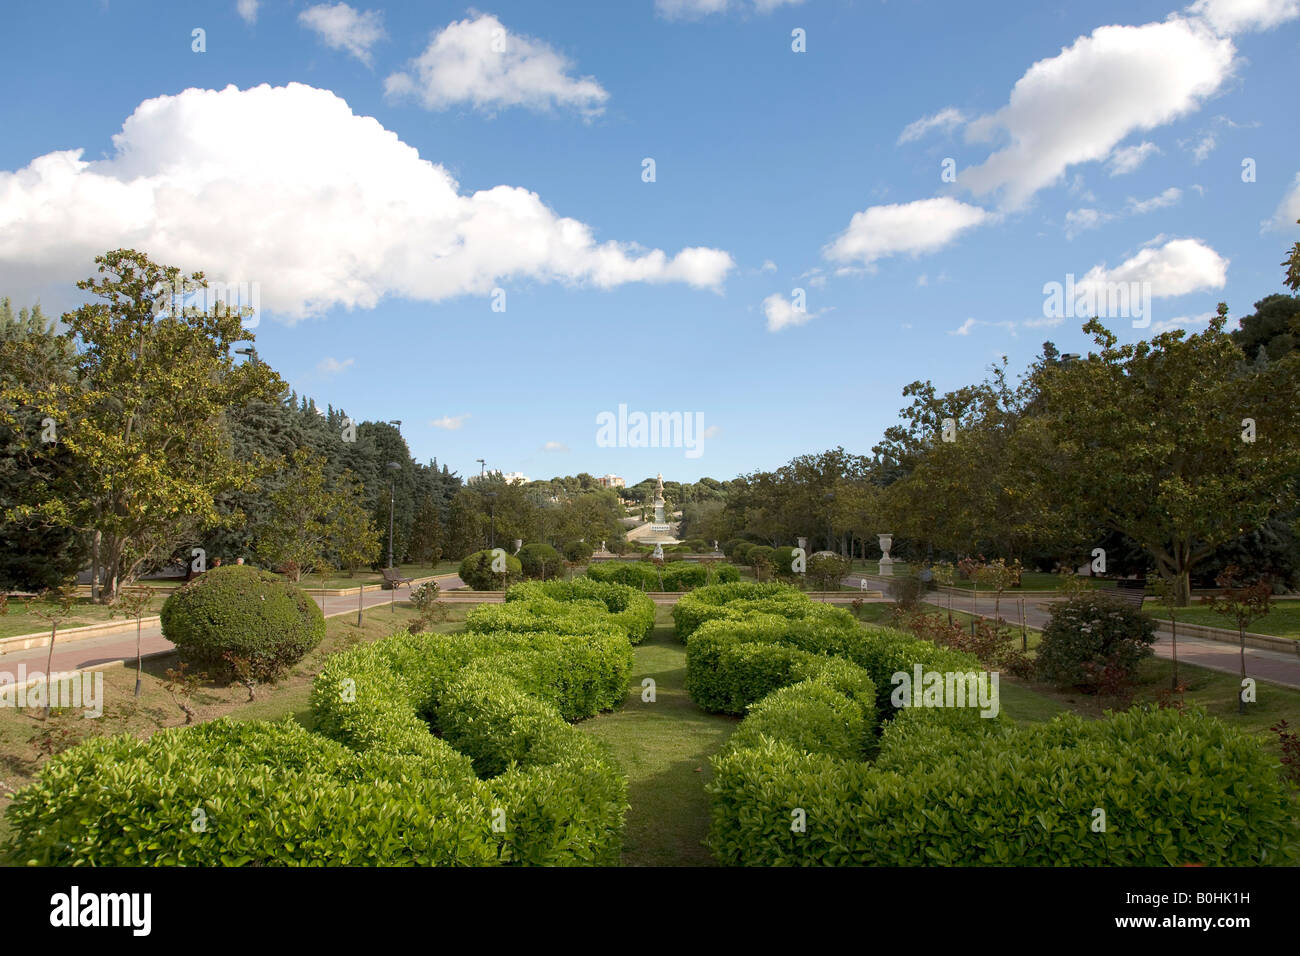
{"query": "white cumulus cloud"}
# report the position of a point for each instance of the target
(914, 227)
(481, 63)
(321, 208)
(781, 313)
(1176, 268)
(340, 27)
(1077, 106)
(1244, 16)
(247, 10)
(1288, 211)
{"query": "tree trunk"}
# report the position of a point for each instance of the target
(94, 567)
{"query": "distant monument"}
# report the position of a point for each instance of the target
(660, 525)
(886, 562)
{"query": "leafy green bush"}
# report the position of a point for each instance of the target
(627, 607)
(540, 561)
(425, 596)
(505, 779)
(698, 546)
(577, 551)
(740, 552)
(827, 571)
(783, 564)
(1008, 796)
(761, 553)
(737, 599)
(476, 571)
(637, 574)
(1089, 634)
(239, 612)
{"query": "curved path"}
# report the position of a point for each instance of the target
(113, 648)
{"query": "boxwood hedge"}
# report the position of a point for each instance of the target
(627, 607)
(679, 576)
(428, 749)
(812, 777)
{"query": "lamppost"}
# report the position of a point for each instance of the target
(491, 496)
(251, 352)
(393, 467)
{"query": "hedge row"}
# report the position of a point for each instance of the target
(805, 780)
(681, 576)
(429, 749)
(627, 607)
(737, 601)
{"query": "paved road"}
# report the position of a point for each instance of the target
(95, 651)
(1277, 667)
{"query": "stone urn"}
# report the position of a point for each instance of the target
(886, 562)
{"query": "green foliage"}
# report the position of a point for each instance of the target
(540, 561)
(1176, 788)
(476, 571)
(826, 571)
(238, 611)
(577, 551)
(1089, 633)
(679, 576)
(643, 577)
(625, 607)
(430, 750)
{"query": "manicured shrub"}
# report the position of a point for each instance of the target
(374, 785)
(698, 546)
(1009, 796)
(577, 551)
(740, 552)
(540, 560)
(643, 577)
(1089, 634)
(627, 607)
(783, 564)
(238, 612)
(761, 553)
(906, 591)
(476, 571)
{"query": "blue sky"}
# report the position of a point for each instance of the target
(378, 170)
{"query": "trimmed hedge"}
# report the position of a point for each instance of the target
(678, 576)
(627, 607)
(507, 781)
(246, 613)
(805, 779)
(540, 560)
(476, 571)
(736, 600)
(429, 749)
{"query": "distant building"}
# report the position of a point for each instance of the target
(612, 481)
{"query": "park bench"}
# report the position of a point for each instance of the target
(393, 579)
(1130, 592)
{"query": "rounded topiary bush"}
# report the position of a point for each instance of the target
(577, 551)
(476, 571)
(1093, 640)
(541, 561)
(237, 614)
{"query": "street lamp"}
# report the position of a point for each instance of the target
(396, 422)
(393, 467)
(250, 352)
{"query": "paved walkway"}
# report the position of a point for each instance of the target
(97, 651)
(1276, 667)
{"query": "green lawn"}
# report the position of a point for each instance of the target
(1283, 620)
(21, 620)
(665, 748)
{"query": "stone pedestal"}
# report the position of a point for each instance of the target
(886, 562)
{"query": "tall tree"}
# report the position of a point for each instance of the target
(145, 417)
(1178, 443)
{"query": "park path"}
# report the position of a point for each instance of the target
(1277, 667)
(664, 747)
(96, 651)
